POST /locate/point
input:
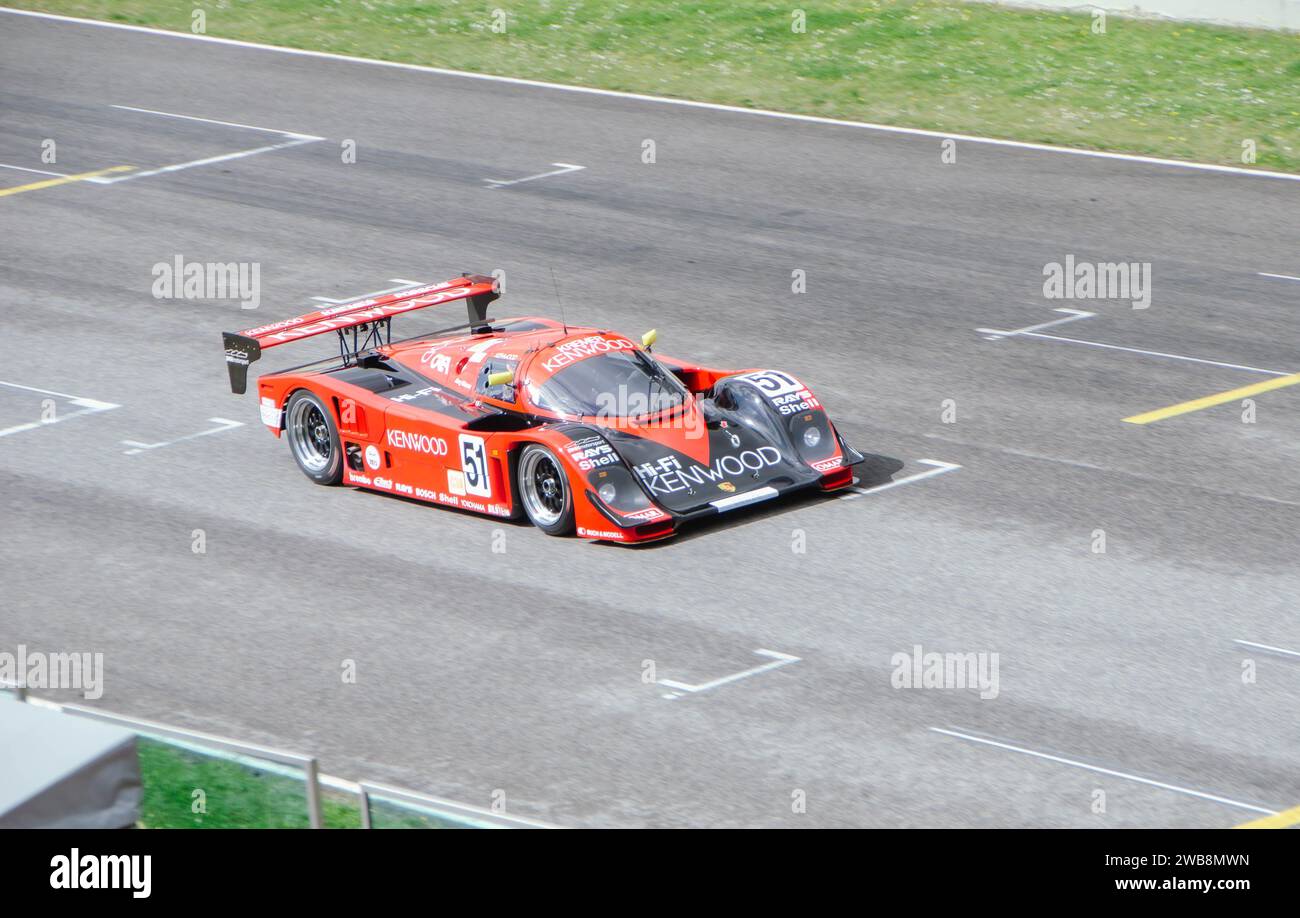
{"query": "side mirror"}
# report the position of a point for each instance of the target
(649, 338)
(503, 378)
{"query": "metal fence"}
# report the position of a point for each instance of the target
(458, 813)
(435, 810)
(310, 770)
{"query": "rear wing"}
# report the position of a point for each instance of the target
(370, 315)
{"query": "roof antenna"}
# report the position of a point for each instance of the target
(558, 302)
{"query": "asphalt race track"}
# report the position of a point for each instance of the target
(522, 670)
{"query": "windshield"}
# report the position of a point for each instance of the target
(618, 384)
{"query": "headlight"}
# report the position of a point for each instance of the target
(811, 435)
(615, 487)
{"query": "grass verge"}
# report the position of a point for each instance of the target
(1152, 87)
(236, 796)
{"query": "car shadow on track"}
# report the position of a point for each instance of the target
(873, 471)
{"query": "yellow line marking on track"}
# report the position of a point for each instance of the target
(63, 180)
(1211, 400)
(1282, 820)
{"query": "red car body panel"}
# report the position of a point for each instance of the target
(419, 419)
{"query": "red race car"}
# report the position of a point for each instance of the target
(579, 428)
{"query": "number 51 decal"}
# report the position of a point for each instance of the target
(773, 383)
(473, 463)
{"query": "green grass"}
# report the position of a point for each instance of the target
(234, 796)
(1158, 88)
(237, 796)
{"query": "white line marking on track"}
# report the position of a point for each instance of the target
(32, 425)
(401, 285)
(94, 405)
(294, 139)
(1151, 782)
(779, 659)
(105, 180)
(1270, 648)
(939, 469)
(234, 124)
(138, 447)
(90, 406)
(1035, 331)
(37, 171)
(14, 385)
(1279, 276)
(663, 100)
(1138, 350)
(501, 183)
(1075, 315)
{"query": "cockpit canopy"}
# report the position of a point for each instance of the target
(626, 383)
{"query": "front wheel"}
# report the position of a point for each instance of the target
(544, 487)
(313, 438)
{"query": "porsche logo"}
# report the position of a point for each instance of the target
(727, 486)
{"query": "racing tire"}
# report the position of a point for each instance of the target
(313, 438)
(544, 491)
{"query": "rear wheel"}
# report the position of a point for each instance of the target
(313, 438)
(544, 488)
